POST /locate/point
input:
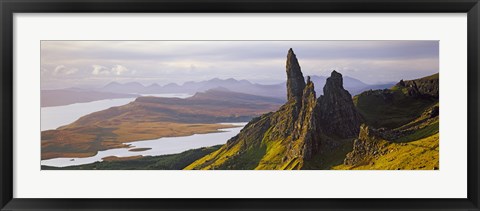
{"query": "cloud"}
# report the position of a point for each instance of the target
(100, 70)
(115, 70)
(59, 68)
(119, 69)
(63, 70)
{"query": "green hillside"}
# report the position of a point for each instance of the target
(396, 106)
(414, 145)
(259, 147)
(422, 154)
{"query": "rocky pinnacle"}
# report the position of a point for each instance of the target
(295, 80)
(337, 109)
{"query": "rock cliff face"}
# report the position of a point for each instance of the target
(305, 139)
(368, 144)
(295, 80)
(294, 134)
(337, 109)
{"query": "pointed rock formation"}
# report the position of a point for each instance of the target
(295, 80)
(295, 88)
(307, 130)
(337, 109)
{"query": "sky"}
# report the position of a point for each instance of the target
(90, 64)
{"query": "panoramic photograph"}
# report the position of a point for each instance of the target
(239, 105)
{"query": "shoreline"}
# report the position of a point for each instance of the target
(128, 146)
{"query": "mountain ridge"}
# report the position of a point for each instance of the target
(276, 90)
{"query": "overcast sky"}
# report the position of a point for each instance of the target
(96, 63)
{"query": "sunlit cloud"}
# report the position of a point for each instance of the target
(119, 69)
(62, 70)
(116, 70)
(100, 70)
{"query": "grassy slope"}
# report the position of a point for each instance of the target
(417, 150)
(244, 154)
(392, 108)
(421, 133)
(397, 111)
(262, 147)
(422, 154)
(327, 160)
(163, 162)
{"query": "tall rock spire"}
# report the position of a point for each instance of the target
(337, 109)
(295, 80)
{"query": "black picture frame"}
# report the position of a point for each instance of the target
(9, 7)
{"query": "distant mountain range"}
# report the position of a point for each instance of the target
(135, 89)
(353, 85)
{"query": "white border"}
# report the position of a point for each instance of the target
(449, 182)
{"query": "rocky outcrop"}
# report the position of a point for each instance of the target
(368, 144)
(337, 110)
(295, 80)
(398, 148)
(427, 86)
(307, 131)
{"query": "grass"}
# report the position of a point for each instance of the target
(163, 162)
(390, 110)
(422, 154)
(245, 152)
(247, 160)
(421, 133)
(327, 160)
(215, 159)
(275, 150)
